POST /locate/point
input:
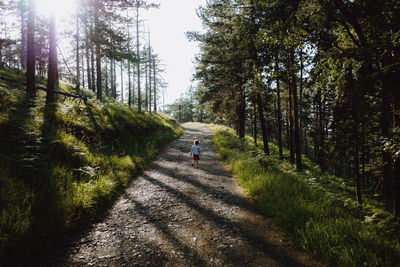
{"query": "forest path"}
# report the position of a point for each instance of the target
(177, 215)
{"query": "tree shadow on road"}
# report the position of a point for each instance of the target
(231, 228)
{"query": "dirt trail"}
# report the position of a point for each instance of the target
(177, 215)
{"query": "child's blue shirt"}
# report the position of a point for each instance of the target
(195, 149)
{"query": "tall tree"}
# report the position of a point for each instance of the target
(22, 8)
(97, 6)
(30, 64)
(150, 72)
(138, 62)
(122, 81)
(52, 68)
(295, 110)
(278, 110)
(154, 85)
(78, 71)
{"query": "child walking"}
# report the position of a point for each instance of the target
(195, 152)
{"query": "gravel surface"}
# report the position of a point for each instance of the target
(178, 215)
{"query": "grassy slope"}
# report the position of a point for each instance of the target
(315, 210)
(60, 166)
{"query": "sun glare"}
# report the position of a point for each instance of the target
(59, 8)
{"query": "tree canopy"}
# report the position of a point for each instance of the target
(324, 76)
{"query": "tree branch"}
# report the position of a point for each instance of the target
(44, 88)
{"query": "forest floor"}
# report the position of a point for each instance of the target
(178, 215)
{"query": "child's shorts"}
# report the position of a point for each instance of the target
(196, 157)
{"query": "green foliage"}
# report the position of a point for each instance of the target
(188, 108)
(344, 73)
(311, 208)
(59, 166)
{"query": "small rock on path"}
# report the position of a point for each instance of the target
(177, 215)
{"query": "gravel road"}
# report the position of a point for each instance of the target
(178, 215)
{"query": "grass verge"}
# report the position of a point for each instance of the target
(62, 164)
(309, 208)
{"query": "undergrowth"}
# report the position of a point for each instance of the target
(315, 210)
(62, 164)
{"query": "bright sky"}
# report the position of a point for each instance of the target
(58, 8)
(168, 25)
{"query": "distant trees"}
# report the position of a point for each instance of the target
(100, 40)
(322, 74)
(182, 110)
(188, 108)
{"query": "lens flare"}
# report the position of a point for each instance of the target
(58, 8)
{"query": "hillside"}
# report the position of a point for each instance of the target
(62, 163)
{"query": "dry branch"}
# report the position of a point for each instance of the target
(44, 88)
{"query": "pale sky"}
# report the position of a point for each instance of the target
(168, 25)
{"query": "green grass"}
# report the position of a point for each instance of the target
(315, 210)
(61, 165)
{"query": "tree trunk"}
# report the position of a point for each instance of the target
(262, 123)
(363, 153)
(89, 78)
(114, 72)
(302, 136)
(83, 67)
(278, 111)
(287, 127)
(387, 160)
(396, 188)
(295, 111)
(241, 112)
(133, 86)
(111, 77)
(155, 84)
(290, 121)
(30, 64)
(138, 63)
(114, 79)
(106, 87)
(146, 97)
(78, 71)
(316, 127)
(93, 70)
(122, 82)
(396, 165)
(22, 8)
(129, 85)
(98, 72)
(321, 131)
(255, 122)
(355, 102)
(150, 80)
(52, 68)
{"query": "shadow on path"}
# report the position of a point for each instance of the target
(177, 215)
